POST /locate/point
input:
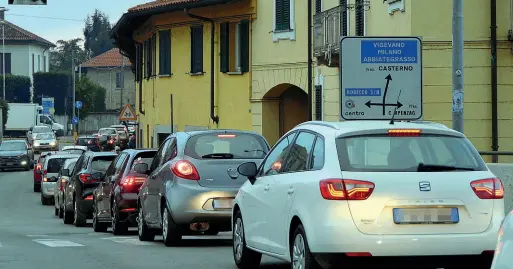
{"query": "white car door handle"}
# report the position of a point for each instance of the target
(267, 187)
(290, 191)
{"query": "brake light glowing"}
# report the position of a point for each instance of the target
(490, 188)
(88, 198)
(226, 135)
(358, 254)
(111, 141)
(86, 178)
(130, 181)
(404, 132)
(39, 166)
(61, 185)
(89, 142)
(185, 169)
(345, 189)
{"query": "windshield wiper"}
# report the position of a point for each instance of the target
(218, 156)
(436, 168)
(254, 150)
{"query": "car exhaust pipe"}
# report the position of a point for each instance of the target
(199, 226)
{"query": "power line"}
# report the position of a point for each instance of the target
(41, 17)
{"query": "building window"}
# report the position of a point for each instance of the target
(38, 63)
(196, 49)
(33, 63)
(235, 46)
(147, 58)
(154, 54)
(119, 80)
(139, 62)
(284, 20)
(44, 63)
(165, 52)
(7, 63)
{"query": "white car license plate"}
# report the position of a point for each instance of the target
(222, 203)
(426, 215)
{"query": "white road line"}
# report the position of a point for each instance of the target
(128, 241)
(37, 235)
(55, 243)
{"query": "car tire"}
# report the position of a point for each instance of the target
(244, 257)
(170, 232)
(98, 227)
(55, 211)
(118, 228)
(37, 188)
(44, 200)
(61, 212)
(300, 252)
(27, 168)
(79, 218)
(145, 234)
(67, 217)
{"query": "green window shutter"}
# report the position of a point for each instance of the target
(244, 45)
(225, 47)
(197, 49)
(282, 15)
(154, 54)
(165, 52)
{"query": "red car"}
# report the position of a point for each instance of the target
(38, 176)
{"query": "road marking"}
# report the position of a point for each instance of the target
(128, 241)
(55, 243)
(209, 237)
(37, 235)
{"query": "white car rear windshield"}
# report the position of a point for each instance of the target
(229, 146)
(54, 165)
(424, 153)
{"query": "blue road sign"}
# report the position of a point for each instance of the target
(48, 104)
(78, 104)
(74, 120)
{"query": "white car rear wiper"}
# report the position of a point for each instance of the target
(438, 168)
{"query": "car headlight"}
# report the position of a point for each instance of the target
(36, 144)
(53, 143)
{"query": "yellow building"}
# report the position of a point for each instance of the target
(432, 21)
(192, 64)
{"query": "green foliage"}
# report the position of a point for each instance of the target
(96, 34)
(53, 84)
(60, 58)
(17, 88)
(92, 96)
(5, 112)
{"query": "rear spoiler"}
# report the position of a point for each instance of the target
(384, 131)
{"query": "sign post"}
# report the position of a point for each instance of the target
(380, 75)
(75, 120)
(127, 114)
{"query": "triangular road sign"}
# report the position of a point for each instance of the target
(127, 113)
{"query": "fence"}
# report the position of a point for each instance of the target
(92, 123)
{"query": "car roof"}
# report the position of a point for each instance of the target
(102, 153)
(216, 131)
(137, 151)
(117, 125)
(60, 156)
(40, 126)
(86, 136)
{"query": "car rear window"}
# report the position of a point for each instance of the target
(101, 163)
(381, 153)
(240, 145)
(74, 151)
(144, 157)
(54, 165)
(84, 141)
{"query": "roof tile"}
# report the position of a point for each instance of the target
(16, 33)
(159, 3)
(111, 58)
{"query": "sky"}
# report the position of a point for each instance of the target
(64, 19)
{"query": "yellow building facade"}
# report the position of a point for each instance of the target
(178, 87)
(432, 21)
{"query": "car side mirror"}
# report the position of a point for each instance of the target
(249, 170)
(97, 176)
(65, 172)
(141, 168)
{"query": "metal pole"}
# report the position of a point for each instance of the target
(73, 80)
(122, 80)
(457, 65)
(3, 58)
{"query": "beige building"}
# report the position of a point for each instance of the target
(112, 71)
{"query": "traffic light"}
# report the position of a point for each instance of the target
(27, 2)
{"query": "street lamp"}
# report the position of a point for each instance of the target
(2, 12)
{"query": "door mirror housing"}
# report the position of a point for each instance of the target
(141, 168)
(248, 170)
(65, 172)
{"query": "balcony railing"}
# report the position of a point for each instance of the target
(327, 31)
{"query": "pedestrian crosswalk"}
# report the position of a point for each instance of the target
(54, 243)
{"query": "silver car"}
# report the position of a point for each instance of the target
(45, 141)
(50, 172)
(38, 129)
(62, 180)
(192, 182)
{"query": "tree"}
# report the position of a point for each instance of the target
(60, 60)
(56, 85)
(5, 112)
(96, 34)
(17, 89)
(92, 96)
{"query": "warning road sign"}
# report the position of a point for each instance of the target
(127, 113)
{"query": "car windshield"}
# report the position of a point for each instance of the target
(378, 153)
(107, 131)
(13, 146)
(41, 129)
(229, 145)
(45, 136)
(54, 165)
(84, 141)
(144, 157)
(101, 163)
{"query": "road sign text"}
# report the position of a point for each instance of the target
(363, 92)
(386, 51)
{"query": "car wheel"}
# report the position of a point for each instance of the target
(55, 211)
(300, 254)
(78, 217)
(61, 212)
(67, 217)
(44, 200)
(27, 168)
(118, 228)
(98, 227)
(244, 257)
(170, 233)
(37, 188)
(145, 234)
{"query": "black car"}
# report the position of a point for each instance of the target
(86, 176)
(16, 154)
(91, 142)
(115, 199)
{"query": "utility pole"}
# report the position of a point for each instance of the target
(457, 65)
(73, 84)
(2, 12)
(122, 79)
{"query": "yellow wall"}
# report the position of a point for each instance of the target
(191, 94)
(432, 21)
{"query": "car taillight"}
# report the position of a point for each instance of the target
(61, 185)
(490, 188)
(185, 169)
(89, 142)
(111, 141)
(88, 198)
(345, 189)
(39, 166)
(86, 178)
(131, 183)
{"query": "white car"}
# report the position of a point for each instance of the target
(367, 189)
(63, 178)
(74, 149)
(50, 172)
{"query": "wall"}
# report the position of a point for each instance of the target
(191, 93)
(106, 77)
(92, 123)
(41, 51)
(505, 173)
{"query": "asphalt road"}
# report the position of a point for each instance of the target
(31, 237)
